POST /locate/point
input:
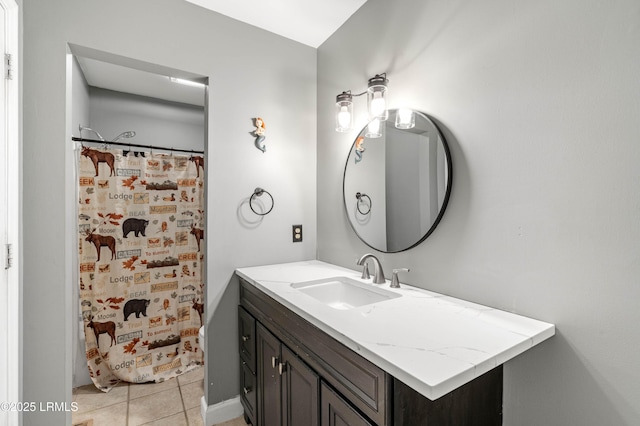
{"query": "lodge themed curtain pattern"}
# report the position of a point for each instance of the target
(140, 244)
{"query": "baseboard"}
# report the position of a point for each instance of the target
(220, 412)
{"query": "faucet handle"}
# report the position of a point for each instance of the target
(365, 272)
(395, 283)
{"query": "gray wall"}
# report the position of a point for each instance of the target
(249, 71)
(80, 115)
(156, 122)
(408, 190)
(80, 99)
(539, 102)
(368, 176)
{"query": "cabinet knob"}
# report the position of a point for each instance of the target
(245, 338)
(282, 367)
(246, 390)
(274, 361)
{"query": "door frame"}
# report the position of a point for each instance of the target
(13, 366)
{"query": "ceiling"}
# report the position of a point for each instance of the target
(309, 22)
(119, 78)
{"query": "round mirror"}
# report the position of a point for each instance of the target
(397, 181)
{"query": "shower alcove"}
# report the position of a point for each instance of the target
(112, 94)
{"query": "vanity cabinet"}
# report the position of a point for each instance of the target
(304, 377)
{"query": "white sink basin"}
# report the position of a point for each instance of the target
(344, 293)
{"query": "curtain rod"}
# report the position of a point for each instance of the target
(135, 145)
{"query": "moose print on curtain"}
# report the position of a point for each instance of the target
(141, 232)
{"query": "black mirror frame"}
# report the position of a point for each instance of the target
(445, 201)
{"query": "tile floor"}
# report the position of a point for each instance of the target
(175, 402)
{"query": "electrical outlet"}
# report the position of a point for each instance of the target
(297, 233)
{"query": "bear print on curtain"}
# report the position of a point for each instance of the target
(141, 232)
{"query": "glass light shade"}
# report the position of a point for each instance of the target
(374, 129)
(344, 112)
(377, 98)
(405, 119)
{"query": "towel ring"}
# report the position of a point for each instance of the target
(258, 193)
(360, 196)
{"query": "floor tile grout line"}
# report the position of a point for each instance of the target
(177, 387)
(101, 407)
(184, 409)
(128, 401)
(162, 418)
(129, 398)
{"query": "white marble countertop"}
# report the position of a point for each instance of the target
(432, 342)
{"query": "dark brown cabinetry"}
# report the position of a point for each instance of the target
(248, 380)
(247, 338)
(249, 394)
(300, 391)
(269, 379)
(294, 374)
(289, 389)
(337, 412)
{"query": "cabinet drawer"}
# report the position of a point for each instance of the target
(336, 412)
(248, 393)
(247, 338)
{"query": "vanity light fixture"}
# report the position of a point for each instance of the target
(377, 97)
(376, 104)
(405, 119)
(344, 112)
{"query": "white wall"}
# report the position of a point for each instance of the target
(540, 105)
(249, 70)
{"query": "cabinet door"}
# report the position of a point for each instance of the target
(300, 391)
(336, 412)
(269, 383)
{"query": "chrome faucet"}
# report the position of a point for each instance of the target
(378, 277)
(395, 282)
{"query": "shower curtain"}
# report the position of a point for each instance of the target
(141, 232)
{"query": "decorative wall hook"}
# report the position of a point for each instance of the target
(258, 193)
(259, 133)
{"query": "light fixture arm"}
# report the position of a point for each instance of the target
(357, 94)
